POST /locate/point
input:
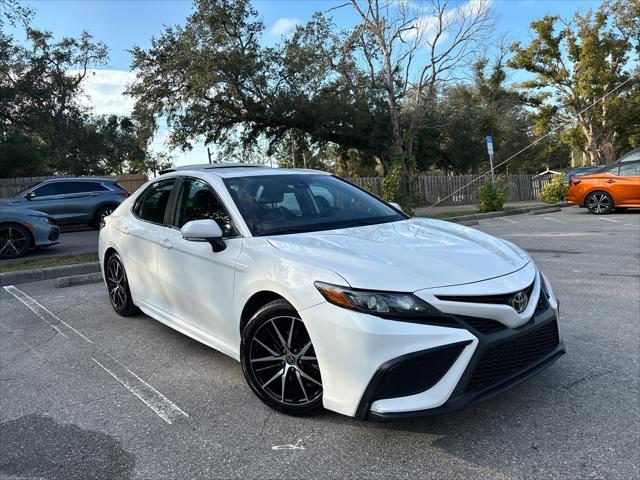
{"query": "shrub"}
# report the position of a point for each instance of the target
(555, 191)
(492, 197)
(392, 191)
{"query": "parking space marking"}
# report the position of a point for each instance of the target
(40, 311)
(508, 220)
(554, 220)
(152, 398)
(610, 220)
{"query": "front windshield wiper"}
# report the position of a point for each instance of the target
(286, 231)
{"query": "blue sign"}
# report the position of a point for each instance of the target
(489, 139)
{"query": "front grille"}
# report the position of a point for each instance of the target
(483, 325)
(503, 299)
(501, 360)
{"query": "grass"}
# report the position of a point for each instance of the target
(38, 263)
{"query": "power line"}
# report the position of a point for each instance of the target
(535, 142)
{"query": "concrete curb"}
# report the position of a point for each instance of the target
(74, 280)
(27, 276)
(516, 211)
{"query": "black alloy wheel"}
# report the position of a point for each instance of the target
(599, 203)
(102, 214)
(118, 287)
(15, 241)
(279, 361)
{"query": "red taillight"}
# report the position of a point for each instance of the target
(574, 181)
(124, 194)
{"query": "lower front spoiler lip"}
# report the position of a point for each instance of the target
(473, 398)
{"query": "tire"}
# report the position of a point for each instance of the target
(599, 203)
(15, 241)
(118, 287)
(279, 362)
(102, 212)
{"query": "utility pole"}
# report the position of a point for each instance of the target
(490, 150)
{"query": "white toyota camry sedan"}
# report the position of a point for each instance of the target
(327, 295)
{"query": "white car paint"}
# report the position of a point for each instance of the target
(202, 294)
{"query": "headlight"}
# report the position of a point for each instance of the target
(377, 303)
(42, 218)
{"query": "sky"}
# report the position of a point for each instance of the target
(121, 24)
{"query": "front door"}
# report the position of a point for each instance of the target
(625, 187)
(197, 283)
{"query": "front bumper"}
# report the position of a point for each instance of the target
(435, 368)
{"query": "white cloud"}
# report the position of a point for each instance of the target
(104, 91)
(283, 26)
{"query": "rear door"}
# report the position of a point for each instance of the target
(625, 186)
(142, 232)
(79, 200)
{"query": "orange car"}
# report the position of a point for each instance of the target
(614, 186)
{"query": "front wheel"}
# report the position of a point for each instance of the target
(15, 241)
(101, 214)
(599, 203)
(279, 361)
(118, 287)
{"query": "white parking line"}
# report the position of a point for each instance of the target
(508, 220)
(152, 398)
(554, 220)
(610, 220)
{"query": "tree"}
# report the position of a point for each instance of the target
(409, 51)
(574, 64)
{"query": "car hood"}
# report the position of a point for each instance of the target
(407, 256)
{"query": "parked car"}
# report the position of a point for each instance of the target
(71, 200)
(578, 171)
(327, 295)
(22, 230)
(616, 186)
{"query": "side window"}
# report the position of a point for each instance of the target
(53, 188)
(633, 157)
(197, 201)
(82, 187)
(629, 170)
(151, 205)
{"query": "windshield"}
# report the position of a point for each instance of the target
(279, 204)
(24, 190)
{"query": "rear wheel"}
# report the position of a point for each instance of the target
(599, 203)
(101, 214)
(118, 287)
(279, 362)
(15, 241)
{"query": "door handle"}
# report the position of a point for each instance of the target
(611, 181)
(165, 243)
(125, 229)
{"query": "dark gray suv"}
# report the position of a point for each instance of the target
(71, 200)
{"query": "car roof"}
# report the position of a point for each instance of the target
(628, 154)
(78, 179)
(233, 170)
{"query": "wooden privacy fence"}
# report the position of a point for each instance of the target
(10, 186)
(434, 188)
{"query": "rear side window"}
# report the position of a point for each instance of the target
(48, 189)
(152, 203)
(83, 187)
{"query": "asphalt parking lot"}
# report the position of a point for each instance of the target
(87, 394)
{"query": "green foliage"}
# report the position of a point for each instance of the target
(44, 128)
(555, 191)
(576, 62)
(492, 197)
(391, 184)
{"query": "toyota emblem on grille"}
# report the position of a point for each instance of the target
(519, 301)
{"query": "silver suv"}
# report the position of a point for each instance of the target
(71, 200)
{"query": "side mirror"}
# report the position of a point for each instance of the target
(396, 205)
(204, 231)
(30, 195)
